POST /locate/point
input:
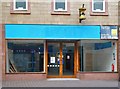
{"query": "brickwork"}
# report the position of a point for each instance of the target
(25, 76)
(41, 14)
(3, 52)
(119, 56)
(0, 54)
(98, 76)
(119, 40)
(0, 45)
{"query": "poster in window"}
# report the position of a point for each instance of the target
(52, 59)
(68, 57)
(109, 32)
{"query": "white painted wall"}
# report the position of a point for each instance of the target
(102, 59)
(88, 48)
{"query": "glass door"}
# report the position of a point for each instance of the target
(53, 58)
(68, 58)
(60, 59)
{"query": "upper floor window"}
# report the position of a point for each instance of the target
(98, 5)
(20, 4)
(60, 5)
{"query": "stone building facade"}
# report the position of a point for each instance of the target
(42, 12)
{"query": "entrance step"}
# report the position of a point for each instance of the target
(58, 79)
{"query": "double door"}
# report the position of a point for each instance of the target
(61, 59)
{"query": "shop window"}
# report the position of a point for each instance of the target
(20, 4)
(25, 56)
(98, 56)
(60, 7)
(99, 7)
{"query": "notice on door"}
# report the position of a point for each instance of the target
(52, 59)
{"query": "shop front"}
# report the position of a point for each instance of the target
(60, 51)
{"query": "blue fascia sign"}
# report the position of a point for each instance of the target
(48, 31)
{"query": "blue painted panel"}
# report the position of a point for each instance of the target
(99, 46)
(31, 31)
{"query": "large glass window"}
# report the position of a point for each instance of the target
(98, 56)
(25, 56)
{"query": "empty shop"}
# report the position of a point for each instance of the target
(61, 51)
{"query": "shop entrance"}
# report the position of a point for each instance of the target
(61, 59)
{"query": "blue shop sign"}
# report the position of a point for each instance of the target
(48, 31)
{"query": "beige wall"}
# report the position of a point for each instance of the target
(41, 14)
(119, 13)
(0, 46)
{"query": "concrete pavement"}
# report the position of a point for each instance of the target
(61, 83)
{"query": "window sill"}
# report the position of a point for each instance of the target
(20, 12)
(27, 73)
(94, 72)
(60, 13)
(98, 14)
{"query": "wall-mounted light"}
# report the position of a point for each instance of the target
(82, 13)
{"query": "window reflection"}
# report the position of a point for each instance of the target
(25, 57)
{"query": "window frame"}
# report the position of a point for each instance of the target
(66, 6)
(6, 58)
(104, 7)
(117, 60)
(14, 6)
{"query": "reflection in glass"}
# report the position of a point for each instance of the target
(98, 56)
(53, 59)
(25, 56)
(68, 58)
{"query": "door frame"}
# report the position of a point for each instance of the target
(61, 65)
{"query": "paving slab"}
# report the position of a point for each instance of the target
(61, 83)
